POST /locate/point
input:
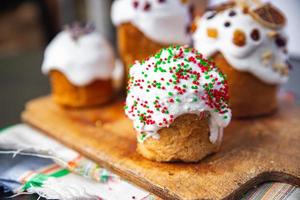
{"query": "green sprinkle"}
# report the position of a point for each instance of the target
(204, 63)
(142, 137)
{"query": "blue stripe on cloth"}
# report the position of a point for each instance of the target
(5, 190)
(12, 168)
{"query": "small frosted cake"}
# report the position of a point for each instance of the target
(145, 26)
(80, 63)
(247, 42)
(177, 101)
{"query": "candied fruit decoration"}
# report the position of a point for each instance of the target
(227, 24)
(232, 13)
(193, 27)
(147, 6)
(78, 29)
(221, 7)
(280, 41)
(269, 16)
(255, 34)
(184, 1)
(239, 38)
(212, 15)
(212, 33)
(135, 4)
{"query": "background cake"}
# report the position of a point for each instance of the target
(248, 43)
(80, 63)
(144, 27)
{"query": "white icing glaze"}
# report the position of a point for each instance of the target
(193, 100)
(248, 57)
(83, 60)
(165, 23)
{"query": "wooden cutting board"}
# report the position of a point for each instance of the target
(253, 151)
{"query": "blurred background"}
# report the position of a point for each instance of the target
(27, 26)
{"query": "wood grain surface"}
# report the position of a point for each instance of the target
(254, 150)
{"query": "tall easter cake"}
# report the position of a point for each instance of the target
(79, 62)
(145, 26)
(248, 43)
(177, 101)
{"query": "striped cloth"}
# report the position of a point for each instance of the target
(34, 163)
(274, 191)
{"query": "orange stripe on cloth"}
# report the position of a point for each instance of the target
(73, 163)
(26, 176)
(50, 169)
